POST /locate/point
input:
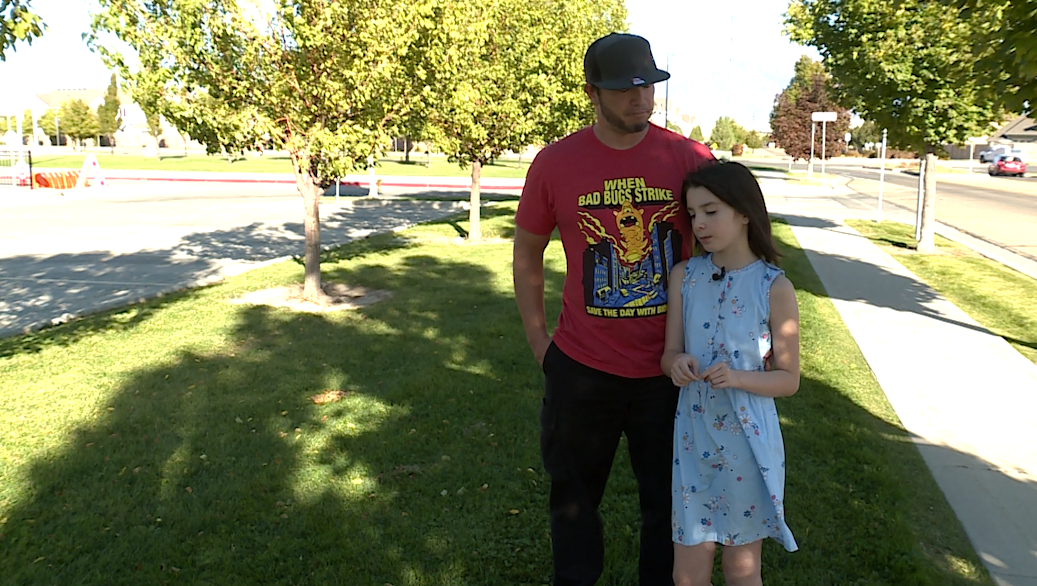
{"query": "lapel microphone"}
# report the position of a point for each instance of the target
(721, 274)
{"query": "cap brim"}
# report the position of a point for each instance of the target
(650, 78)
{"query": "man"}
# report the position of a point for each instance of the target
(613, 190)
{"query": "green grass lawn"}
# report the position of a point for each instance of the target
(999, 298)
(178, 441)
(388, 166)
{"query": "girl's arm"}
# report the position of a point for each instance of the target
(783, 380)
(677, 365)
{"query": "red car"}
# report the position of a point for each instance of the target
(1007, 165)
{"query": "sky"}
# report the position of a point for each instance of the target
(725, 58)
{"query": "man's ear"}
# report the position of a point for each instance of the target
(591, 92)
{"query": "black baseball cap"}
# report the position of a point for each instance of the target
(620, 61)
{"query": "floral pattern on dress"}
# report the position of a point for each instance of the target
(728, 487)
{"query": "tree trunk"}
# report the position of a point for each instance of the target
(308, 188)
(474, 232)
(927, 244)
(407, 146)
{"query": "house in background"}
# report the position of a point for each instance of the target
(1020, 133)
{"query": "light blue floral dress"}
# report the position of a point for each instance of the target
(729, 458)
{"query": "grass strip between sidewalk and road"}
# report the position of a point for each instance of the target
(190, 440)
(997, 297)
(386, 167)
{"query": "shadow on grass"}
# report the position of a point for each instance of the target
(876, 285)
(218, 468)
(862, 503)
(221, 469)
(879, 287)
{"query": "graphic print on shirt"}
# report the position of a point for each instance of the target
(630, 248)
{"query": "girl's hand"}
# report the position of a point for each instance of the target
(685, 370)
(720, 376)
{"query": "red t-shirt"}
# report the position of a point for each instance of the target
(622, 227)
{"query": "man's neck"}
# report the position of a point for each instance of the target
(614, 138)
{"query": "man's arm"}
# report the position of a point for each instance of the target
(528, 273)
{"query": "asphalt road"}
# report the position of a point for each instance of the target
(1001, 217)
(977, 167)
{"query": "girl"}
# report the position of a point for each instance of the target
(732, 311)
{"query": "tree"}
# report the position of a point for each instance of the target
(46, 123)
(154, 121)
(18, 23)
(9, 123)
(326, 79)
(696, 134)
(1005, 49)
(507, 74)
(909, 66)
(27, 126)
(726, 133)
(78, 121)
(754, 140)
(108, 119)
(865, 134)
(808, 91)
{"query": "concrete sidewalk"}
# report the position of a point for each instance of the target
(966, 395)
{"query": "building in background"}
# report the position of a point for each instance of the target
(684, 120)
(133, 133)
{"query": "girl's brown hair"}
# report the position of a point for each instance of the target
(735, 185)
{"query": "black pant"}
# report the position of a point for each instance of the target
(584, 413)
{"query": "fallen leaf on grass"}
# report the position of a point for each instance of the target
(329, 396)
(513, 512)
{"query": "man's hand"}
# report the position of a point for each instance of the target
(539, 347)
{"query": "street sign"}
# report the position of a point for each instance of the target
(824, 116)
(976, 139)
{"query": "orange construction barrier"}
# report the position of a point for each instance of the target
(56, 179)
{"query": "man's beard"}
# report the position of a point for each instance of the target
(617, 121)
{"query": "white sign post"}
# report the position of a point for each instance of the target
(973, 141)
(810, 167)
(824, 118)
(882, 173)
(372, 187)
(921, 198)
